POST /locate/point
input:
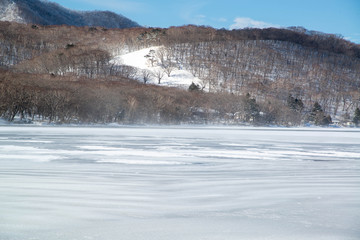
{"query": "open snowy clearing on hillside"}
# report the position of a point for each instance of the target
(178, 77)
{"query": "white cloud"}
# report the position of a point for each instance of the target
(242, 22)
(355, 38)
(190, 13)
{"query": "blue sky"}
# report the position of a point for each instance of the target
(329, 16)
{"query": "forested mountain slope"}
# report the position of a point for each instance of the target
(258, 76)
(48, 13)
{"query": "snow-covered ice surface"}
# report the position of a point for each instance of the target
(178, 183)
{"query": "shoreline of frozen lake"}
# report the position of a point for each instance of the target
(184, 182)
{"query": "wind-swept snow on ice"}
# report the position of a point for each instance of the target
(179, 183)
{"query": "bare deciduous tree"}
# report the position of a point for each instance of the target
(146, 75)
(158, 74)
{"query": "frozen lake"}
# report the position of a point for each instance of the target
(68, 183)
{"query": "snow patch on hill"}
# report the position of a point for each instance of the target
(10, 13)
(179, 77)
(48, 13)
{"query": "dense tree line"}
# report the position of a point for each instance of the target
(61, 99)
(24, 41)
(297, 35)
(270, 76)
(268, 69)
(68, 99)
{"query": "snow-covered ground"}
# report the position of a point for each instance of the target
(67, 183)
(178, 78)
(10, 12)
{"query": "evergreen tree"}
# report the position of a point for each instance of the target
(317, 107)
(151, 57)
(325, 120)
(290, 101)
(314, 112)
(295, 104)
(318, 117)
(252, 109)
(194, 87)
(356, 118)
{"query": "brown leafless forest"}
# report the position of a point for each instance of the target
(257, 76)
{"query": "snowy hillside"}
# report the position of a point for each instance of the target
(149, 65)
(10, 12)
(50, 13)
